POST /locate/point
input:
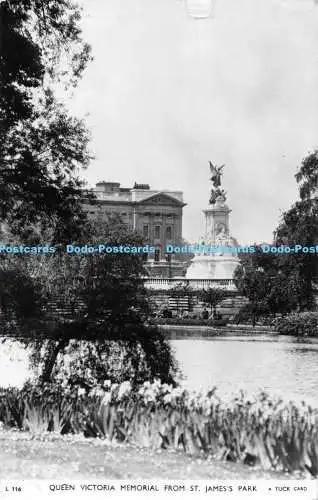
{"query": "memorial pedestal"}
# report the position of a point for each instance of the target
(220, 264)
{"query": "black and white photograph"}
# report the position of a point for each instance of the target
(159, 248)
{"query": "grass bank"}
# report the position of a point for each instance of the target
(24, 455)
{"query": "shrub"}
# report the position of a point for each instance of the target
(87, 364)
(304, 324)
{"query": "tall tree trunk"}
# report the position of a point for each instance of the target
(51, 358)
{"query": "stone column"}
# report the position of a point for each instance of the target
(216, 221)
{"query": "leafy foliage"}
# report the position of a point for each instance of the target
(99, 298)
(303, 324)
(283, 282)
(299, 225)
(41, 149)
(41, 145)
(18, 298)
(307, 176)
(213, 296)
(262, 279)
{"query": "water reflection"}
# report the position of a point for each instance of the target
(282, 366)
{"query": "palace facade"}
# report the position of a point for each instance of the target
(155, 214)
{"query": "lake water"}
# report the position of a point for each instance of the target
(14, 369)
(282, 366)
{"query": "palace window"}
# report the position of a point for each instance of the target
(157, 232)
(145, 230)
(169, 232)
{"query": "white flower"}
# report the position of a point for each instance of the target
(124, 389)
(99, 392)
(106, 399)
(167, 398)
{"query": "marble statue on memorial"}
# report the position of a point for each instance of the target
(217, 194)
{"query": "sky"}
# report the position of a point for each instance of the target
(167, 93)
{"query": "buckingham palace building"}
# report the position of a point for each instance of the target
(155, 214)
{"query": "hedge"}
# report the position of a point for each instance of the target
(304, 324)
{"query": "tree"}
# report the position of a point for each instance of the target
(41, 145)
(18, 299)
(250, 280)
(299, 225)
(96, 298)
(283, 282)
(212, 297)
(270, 290)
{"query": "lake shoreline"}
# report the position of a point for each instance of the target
(195, 331)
